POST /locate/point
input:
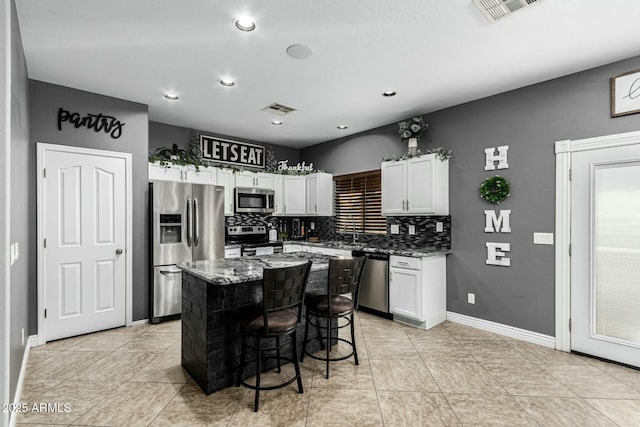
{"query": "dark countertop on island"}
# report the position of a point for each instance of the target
(247, 269)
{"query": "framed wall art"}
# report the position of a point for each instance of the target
(625, 93)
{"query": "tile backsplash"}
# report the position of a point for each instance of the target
(425, 235)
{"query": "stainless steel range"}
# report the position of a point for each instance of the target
(253, 239)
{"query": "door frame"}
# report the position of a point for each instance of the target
(563, 151)
(42, 148)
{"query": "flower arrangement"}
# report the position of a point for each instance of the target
(412, 128)
(495, 189)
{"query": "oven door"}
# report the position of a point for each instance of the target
(254, 200)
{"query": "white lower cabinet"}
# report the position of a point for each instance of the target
(417, 290)
(232, 252)
(292, 247)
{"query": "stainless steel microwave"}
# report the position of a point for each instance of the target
(254, 200)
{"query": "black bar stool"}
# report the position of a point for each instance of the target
(344, 278)
(282, 295)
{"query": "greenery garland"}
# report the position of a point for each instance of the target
(177, 156)
(495, 189)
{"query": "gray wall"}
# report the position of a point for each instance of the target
(163, 135)
(21, 272)
(528, 120)
(5, 161)
(45, 100)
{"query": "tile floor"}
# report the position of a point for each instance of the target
(451, 375)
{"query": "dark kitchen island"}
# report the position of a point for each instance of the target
(212, 292)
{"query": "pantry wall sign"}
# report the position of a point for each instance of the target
(232, 152)
(97, 122)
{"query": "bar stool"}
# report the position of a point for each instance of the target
(344, 278)
(282, 295)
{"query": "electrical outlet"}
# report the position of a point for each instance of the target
(395, 229)
(439, 227)
(471, 298)
(543, 238)
(412, 229)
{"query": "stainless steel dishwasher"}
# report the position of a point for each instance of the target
(374, 285)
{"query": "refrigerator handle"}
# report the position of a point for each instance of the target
(196, 223)
(189, 222)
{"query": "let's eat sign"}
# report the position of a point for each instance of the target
(233, 152)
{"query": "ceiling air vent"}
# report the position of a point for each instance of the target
(494, 10)
(278, 109)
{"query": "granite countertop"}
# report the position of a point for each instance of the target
(409, 252)
(247, 269)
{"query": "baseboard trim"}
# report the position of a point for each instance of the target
(13, 415)
(139, 322)
(500, 329)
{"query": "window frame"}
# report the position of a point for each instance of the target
(358, 203)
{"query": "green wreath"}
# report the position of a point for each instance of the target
(495, 189)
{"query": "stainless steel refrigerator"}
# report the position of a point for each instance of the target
(187, 224)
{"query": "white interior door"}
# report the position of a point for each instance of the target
(84, 209)
(605, 259)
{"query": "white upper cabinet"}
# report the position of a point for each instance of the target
(205, 175)
(186, 174)
(319, 188)
(248, 179)
(417, 186)
(294, 198)
(278, 194)
(225, 178)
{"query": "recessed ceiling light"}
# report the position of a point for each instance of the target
(276, 122)
(225, 81)
(342, 127)
(171, 96)
(245, 23)
(299, 51)
(389, 93)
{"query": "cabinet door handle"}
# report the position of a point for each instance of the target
(407, 205)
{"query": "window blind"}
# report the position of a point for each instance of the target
(358, 203)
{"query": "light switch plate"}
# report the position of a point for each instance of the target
(439, 227)
(471, 298)
(543, 238)
(395, 229)
(412, 229)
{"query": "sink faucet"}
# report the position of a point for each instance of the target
(353, 226)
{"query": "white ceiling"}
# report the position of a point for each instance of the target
(433, 53)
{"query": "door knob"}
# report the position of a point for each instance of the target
(118, 251)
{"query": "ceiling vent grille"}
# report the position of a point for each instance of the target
(278, 109)
(495, 10)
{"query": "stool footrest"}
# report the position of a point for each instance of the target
(331, 359)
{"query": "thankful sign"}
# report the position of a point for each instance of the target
(226, 151)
